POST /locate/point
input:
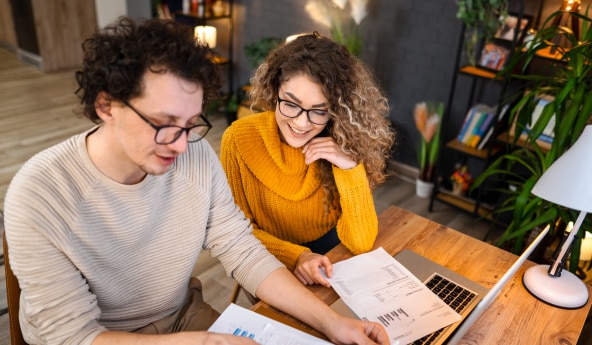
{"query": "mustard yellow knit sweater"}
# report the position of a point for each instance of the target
(283, 197)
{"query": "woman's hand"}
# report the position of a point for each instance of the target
(326, 148)
(308, 269)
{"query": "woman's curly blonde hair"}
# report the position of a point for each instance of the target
(358, 109)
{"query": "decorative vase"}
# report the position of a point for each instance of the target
(457, 189)
(423, 189)
(218, 8)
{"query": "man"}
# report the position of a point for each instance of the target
(105, 228)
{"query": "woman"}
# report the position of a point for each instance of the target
(303, 170)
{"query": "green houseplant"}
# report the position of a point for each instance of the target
(343, 18)
(571, 85)
(257, 51)
(482, 20)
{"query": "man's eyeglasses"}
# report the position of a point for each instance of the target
(169, 134)
(292, 110)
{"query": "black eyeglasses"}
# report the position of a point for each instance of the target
(292, 110)
(169, 134)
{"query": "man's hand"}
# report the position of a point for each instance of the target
(308, 269)
(348, 331)
(296, 300)
(326, 148)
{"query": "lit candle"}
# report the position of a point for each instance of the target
(206, 35)
(586, 248)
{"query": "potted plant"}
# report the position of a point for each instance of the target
(257, 51)
(428, 120)
(343, 18)
(571, 109)
(231, 108)
(482, 20)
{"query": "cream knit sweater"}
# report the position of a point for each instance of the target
(92, 254)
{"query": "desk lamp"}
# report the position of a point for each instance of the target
(568, 183)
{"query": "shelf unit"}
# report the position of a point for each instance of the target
(451, 148)
(195, 19)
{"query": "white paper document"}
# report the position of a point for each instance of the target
(265, 331)
(378, 288)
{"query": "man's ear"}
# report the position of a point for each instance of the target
(103, 105)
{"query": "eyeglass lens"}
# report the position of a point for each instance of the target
(316, 116)
(167, 135)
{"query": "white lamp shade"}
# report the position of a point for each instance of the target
(568, 181)
(206, 35)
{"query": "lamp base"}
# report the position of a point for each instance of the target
(567, 291)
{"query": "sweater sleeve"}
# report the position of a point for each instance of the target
(231, 241)
(285, 251)
(357, 227)
(68, 315)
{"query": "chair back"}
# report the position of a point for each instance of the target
(13, 295)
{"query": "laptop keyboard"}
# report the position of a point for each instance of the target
(454, 295)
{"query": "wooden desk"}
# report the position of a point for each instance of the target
(515, 317)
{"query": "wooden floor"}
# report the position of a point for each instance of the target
(37, 111)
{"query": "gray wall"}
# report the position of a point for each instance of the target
(410, 45)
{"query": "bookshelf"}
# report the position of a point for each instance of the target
(508, 137)
(487, 86)
(223, 21)
(454, 144)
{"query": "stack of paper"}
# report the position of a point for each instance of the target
(265, 331)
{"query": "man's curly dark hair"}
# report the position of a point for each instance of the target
(117, 57)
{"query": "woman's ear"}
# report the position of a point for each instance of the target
(103, 106)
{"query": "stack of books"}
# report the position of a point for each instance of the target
(479, 125)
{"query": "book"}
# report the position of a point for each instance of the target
(545, 139)
(480, 129)
(483, 128)
(492, 128)
(465, 125)
(547, 135)
(474, 123)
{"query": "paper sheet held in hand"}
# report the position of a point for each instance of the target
(376, 287)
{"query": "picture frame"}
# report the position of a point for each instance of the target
(494, 56)
(507, 31)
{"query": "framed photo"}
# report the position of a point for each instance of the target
(509, 27)
(494, 56)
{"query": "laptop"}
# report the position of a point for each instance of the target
(475, 299)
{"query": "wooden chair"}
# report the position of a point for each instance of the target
(13, 294)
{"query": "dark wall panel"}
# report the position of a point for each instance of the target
(24, 24)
